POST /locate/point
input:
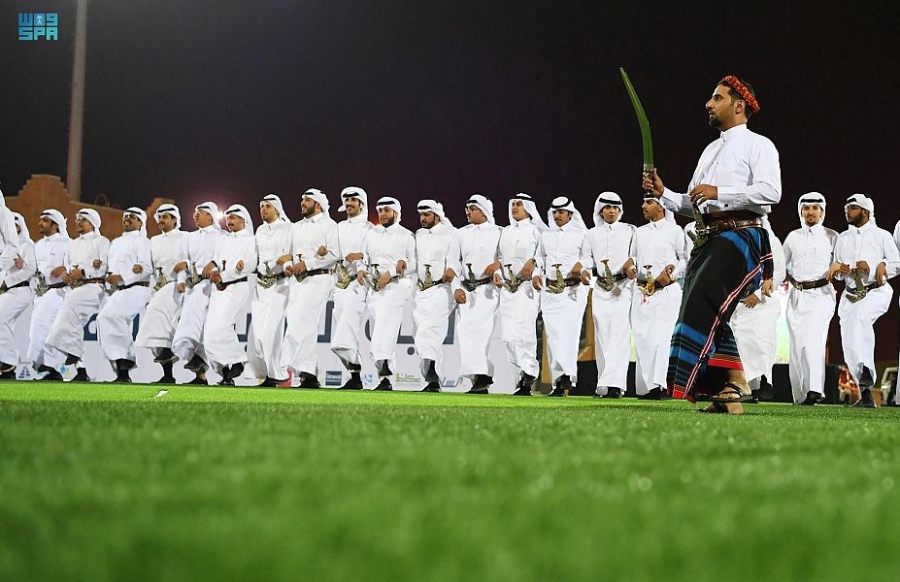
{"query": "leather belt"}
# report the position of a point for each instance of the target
(276, 276)
(868, 287)
(200, 279)
(4, 288)
(222, 285)
(805, 285)
(718, 226)
(267, 281)
(93, 280)
(643, 284)
(472, 285)
(135, 284)
(617, 277)
(56, 286)
(312, 273)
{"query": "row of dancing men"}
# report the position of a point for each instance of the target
(191, 286)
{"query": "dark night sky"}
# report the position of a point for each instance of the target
(217, 100)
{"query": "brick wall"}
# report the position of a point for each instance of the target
(44, 191)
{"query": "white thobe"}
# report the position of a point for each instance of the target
(385, 247)
(873, 245)
(433, 306)
(808, 253)
(563, 312)
(116, 317)
(655, 245)
(9, 238)
(219, 333)
(164, 310)
(50, 253)
(743, 165)
(309, 297)
(755, 328)
(349, 303)
(267, 308)
(67, 332)
(14, 301)
(476, 245)
(519, 310)
(611, 309)
(198, 248)
(897, 243)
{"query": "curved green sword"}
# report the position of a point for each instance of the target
(701, 231)
(646, 137)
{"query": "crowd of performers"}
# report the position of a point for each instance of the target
(698, 301)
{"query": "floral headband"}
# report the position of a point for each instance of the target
(743, 91)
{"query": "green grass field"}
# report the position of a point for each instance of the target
(103, 482)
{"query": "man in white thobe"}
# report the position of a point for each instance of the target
(9, 256)
(315, 249)
(349, 295)
(87, 261)
(160, 320)
(270, 295)
(234, 259)
(896, 383)
(865, 257)
(9, 239)
(389, 253)
(520, 302)
(736, 180)
(50, 290)
(562, 256)
(197, 252)
(658, 255)
(808, 253)
(128, 286)
(609, 243)
(474, 254)
(15, 296)
(432, 297)
(755, 320)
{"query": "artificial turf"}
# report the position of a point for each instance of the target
(104, 482)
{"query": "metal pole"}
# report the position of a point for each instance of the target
(76, 115)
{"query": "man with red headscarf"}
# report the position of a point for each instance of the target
(737, 180)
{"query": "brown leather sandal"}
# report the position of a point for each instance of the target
(731, 394)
